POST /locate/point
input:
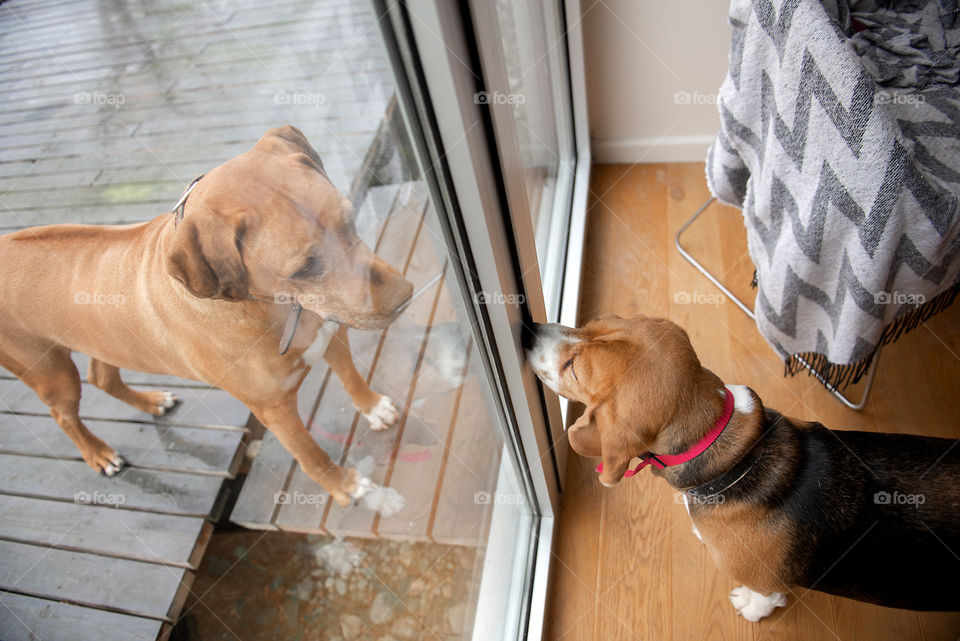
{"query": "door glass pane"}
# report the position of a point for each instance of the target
(535, 53)
(109, 111)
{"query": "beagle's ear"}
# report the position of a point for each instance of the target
(205, 257)
(584, 436)
(595, 435)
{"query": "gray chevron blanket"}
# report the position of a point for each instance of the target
(840, 141)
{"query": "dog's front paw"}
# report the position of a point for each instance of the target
(349, 487)
(167, 403)
(104, 459)
(754, 606)
(385, 500)
(382, 415)
(160, 402)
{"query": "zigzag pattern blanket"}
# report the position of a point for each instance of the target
(840, 141)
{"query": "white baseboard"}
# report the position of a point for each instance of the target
(665, 149)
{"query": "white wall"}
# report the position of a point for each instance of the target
(653, 70)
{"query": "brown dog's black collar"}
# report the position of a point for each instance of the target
(181, 205)
(290, 327)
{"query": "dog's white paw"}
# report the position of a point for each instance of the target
(364, 485)
(754, 606)
(167, 403)
(382, 415)
(386, 500)
(115, 465)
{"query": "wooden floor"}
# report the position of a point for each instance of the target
(626, 565)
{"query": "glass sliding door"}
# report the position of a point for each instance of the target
(506, 171)
(524, 53)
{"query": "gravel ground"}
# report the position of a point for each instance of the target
(281, 586)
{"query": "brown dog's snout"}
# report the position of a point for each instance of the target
(384, 288)
(389, 289)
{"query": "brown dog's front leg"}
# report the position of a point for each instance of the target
(376, 408)
(284, 421)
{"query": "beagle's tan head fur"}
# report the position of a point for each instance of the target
(640, 380)
(269, 223)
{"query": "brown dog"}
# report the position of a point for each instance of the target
(200, 300)
(778, 502)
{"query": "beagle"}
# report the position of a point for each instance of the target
(777, 501)
(207, 293)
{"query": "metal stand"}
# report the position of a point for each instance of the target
(749, 312)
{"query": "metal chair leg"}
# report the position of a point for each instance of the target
(749, 312)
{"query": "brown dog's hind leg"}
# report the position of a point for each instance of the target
(107, 378)
(56, 381)
(284, 421)
(376, 408)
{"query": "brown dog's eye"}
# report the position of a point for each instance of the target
(566, 365)
(310, 267)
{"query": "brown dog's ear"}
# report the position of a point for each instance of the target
(590, 438)
(296, 139)
(205, 257)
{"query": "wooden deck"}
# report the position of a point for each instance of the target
(81, 553)
(108, 110)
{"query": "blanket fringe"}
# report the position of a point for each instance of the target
(838, 377)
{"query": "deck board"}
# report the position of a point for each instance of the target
(199, 407)
(136, 488)
(26, 618)
(150, 446)
(132, 587)
(143, 536)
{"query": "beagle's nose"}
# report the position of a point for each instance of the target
(528, 335)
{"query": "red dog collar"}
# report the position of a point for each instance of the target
(695, 451)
